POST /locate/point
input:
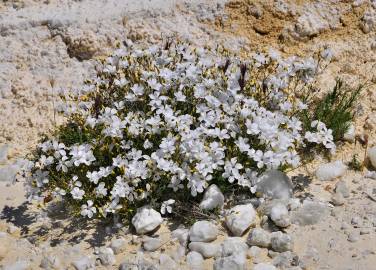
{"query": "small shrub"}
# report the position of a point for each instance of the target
(158, 125)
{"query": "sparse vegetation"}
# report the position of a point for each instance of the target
(160, 124)
(335, 109)
(355, 164)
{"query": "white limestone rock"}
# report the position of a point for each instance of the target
(264, 266)
(106, 256)
(18, 265)
(203, 231)
(294, 204)
(281, 242)
(350, 134)
(195, 261)
(284, 259)
(167, 263)
(368, 22)
(257, 255)
(259, 237)
(280, 215)
(342, 188)
(8, 173)
(233, 245)
(118, 245)
(310, 213)
(138, 264)
(370, 174)
(178, 253)
(372, 156)
(146, 220)
(151, 244)
(233, 262)
(182, 235)
(337, 199)
(50, 262)
(3, 153)
(213, 198)
(274, 184)
(330, 171)
(84, 263)
(240, 218)
(207, 250)
(316, 18)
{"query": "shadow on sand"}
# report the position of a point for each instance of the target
(60, 226)
(18, 216)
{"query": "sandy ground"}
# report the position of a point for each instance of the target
(51, 46)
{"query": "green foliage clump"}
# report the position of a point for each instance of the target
(355, 164)
(335, 109)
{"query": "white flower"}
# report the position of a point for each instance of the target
(148, 144)
(232, 170)
(180, 96)
(121, 82)
(154, 84)
(114, 127)
(82, 154)
(63, 164)
(122, 189)
(101, 190)
(88, 209)
(196, 184)
(243, 145)
(45, 161)
(77, 193)
(93, 176)
(109, 69)
(168, 144)
(96, 175)
(323, 135)
(91, 121)
(302, 106)
(167, 206)
(123, 64)
(59, 149)
(60, 191)
(119, 162)
(285, 106)
(137, 89)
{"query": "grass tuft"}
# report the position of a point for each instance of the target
(335, 109)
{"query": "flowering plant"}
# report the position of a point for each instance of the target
(160, 124)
